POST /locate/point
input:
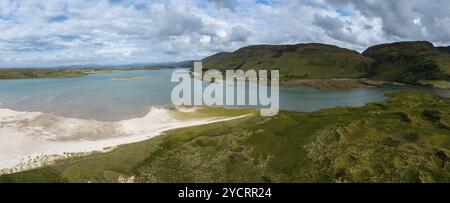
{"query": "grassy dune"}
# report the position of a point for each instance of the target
(405, 139)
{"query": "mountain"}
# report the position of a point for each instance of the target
(409, 62)
(297, 61)
(406, 62)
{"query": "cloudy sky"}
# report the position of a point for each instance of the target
(66, 32)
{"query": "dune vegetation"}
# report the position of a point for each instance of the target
(404, 139)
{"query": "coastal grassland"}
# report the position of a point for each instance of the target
(404, 139)
(40, 73)
(27, 73)
(210, 112)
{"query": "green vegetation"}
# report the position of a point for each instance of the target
(328, 84)
(405, 62)
(442, 84)
(25, 73)
(405, 139)
(40, 73)
(295, 61)
(408, 62)
(202, 112)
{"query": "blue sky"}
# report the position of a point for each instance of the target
(68, 32)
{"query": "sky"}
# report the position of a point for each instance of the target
(74, 32)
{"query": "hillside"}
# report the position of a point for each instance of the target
(409, 62)
(444, 49)
(295, 61)
(406, 62)
(405, 139)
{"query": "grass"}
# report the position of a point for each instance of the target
(26, 73)
(40, 73)
(404, 62)
(405, 139)
(300, 61)
(442, 84)
(408, 62)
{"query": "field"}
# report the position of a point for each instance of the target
(405, 139)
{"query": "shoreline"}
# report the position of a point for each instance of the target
(334, 84)
(33, 139)
(59, 73)
(129, 77)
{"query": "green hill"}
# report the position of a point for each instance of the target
(409, 62)
(294, 61)
(406, 62)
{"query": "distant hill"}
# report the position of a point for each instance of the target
(40, 73)
(295, 61)
(444, 49)
(406, 62)
(177, 64)
(182, 64)
(409, 62)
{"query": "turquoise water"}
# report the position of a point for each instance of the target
(100, 97)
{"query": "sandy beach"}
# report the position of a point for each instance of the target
(32, 139)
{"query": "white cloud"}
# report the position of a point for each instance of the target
(63, 32)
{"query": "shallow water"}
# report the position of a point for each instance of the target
(100, 97)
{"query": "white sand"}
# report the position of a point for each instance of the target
(31, 139)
